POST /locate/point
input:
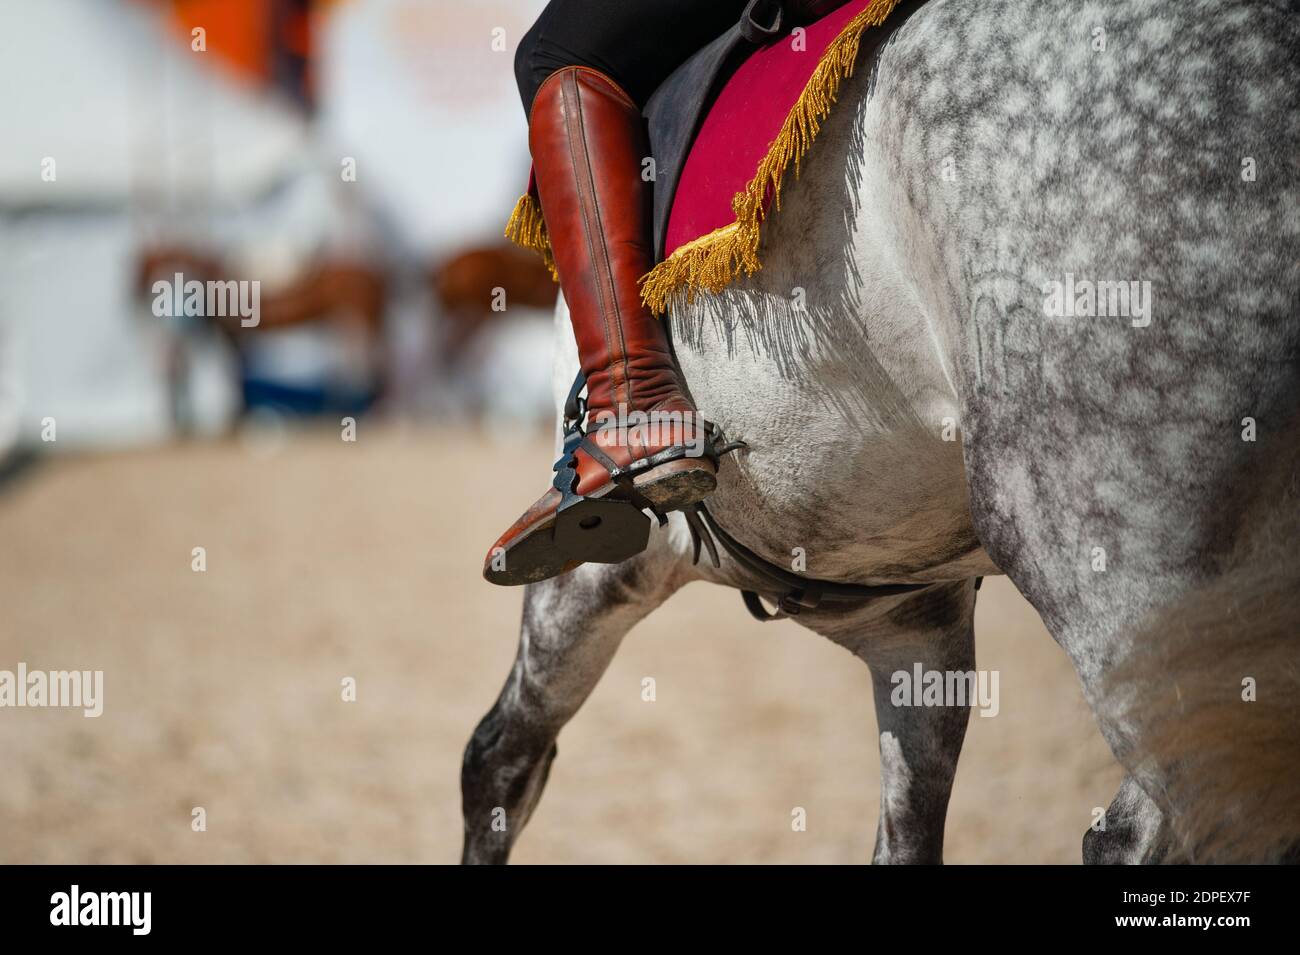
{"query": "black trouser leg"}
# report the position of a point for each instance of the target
(636, 43)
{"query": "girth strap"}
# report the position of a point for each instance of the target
(794, 593)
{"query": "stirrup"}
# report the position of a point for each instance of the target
(614, 526)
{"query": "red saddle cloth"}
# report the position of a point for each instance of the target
(761, 125)
(742, 124)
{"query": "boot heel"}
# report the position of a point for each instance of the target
(679, 483)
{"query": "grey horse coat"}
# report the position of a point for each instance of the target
(1030, 309)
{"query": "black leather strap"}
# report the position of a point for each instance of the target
(793, 593)
(763, 21)
(575, 406)
(756, 609)
(603, 459)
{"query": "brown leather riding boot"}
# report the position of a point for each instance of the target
(643, 446)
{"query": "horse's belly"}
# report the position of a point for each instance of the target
(843, 478)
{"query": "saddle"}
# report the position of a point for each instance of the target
(726, 126)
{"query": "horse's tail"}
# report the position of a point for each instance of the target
(1213, 692)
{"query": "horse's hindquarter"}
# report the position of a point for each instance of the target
(1005, 146)
(1104, 201)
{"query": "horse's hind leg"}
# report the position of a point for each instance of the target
(571, 627)
(1135, 833)
(919, 745)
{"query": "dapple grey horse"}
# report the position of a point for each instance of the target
(932, 389)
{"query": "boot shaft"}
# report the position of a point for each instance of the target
(589, 145)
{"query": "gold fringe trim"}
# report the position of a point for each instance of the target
(712, 262)
(527, 228)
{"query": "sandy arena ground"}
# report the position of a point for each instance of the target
(328, 560)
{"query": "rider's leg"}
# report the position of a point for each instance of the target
(588, 144)
(636, 43)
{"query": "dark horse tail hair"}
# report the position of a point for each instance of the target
(1212, 690)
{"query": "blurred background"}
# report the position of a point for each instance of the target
(356, 159)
